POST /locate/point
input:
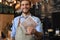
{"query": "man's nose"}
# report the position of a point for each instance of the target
(25, 6)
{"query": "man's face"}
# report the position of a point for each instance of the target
(25, 6)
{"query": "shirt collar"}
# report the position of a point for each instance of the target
(23, 16)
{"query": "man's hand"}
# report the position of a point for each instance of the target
(30, 30)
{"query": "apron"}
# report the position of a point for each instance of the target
(21, 34)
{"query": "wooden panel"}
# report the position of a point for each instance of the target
(5, 19)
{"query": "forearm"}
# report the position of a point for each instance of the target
(38, 34)
(12, 37)
(13, 32)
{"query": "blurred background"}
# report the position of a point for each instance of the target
(47, 10)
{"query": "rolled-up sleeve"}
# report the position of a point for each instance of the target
(14, 27)
(39, 26)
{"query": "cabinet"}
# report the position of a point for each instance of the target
(5, 20)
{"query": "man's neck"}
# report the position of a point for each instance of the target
(26, 14)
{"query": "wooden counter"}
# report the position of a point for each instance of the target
(5, 20)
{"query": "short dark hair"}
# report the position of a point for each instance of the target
(26, 0)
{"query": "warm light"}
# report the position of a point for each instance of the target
(6, 3)
(17, 6)
(50, 30)
(14, 1)
(10, 4)
(9, 0)
(0, 0)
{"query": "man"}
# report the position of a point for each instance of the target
(25, 7)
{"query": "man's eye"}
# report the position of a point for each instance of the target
(24, 4)
(27, 4)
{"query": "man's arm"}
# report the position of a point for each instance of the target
(12, 37)
(38, 32)
(13, 32)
